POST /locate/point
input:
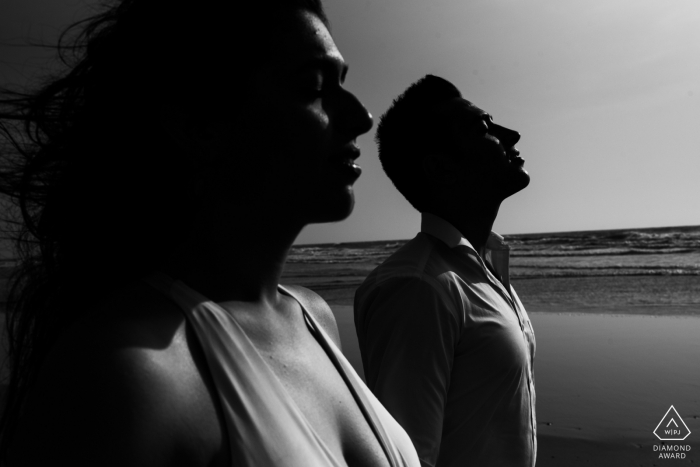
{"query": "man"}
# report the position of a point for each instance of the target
(446, 344)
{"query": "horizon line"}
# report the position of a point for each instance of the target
(554, 233)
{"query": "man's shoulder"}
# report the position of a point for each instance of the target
(422, 258)
(420, 268)
(408, 293)
(412, 260)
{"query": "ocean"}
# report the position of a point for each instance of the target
(628, 252)
(651, 271)
(641, 271)
(616, 315)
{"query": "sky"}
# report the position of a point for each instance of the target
(605, 93)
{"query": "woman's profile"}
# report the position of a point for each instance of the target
(159, 183)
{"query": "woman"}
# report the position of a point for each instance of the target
(178, 158)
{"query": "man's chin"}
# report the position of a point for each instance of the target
(517, 182)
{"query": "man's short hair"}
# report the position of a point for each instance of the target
(409, 131)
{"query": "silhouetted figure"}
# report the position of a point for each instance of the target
(178, 158)
(446, 345)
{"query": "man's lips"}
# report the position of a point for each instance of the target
(514, 156)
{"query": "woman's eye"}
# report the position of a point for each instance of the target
(312, 86)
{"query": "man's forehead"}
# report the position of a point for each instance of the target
(463, 107)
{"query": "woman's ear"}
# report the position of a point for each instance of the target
(203, 138)
(440, 169)
(203, 141)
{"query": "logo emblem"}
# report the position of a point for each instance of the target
(672, 427)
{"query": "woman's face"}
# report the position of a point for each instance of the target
(294, 145)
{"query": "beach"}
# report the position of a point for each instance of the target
(604, 381)
(617, 320)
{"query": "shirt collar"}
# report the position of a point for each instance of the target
(497, 250)
(440, 228)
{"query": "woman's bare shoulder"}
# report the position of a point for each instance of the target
(320, 310)
(119, 388)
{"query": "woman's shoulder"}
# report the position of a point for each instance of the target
(318, 308)
(122, 380)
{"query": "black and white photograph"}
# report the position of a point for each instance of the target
(350, 233)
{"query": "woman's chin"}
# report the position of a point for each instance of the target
(334, 208)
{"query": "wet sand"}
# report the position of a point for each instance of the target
(613, 353)
(603, 384)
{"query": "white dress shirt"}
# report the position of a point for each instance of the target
(448, 348)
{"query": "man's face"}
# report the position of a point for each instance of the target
(485, 151)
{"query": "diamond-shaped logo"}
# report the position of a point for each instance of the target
(672, 427)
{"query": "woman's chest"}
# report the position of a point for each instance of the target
(315, 386)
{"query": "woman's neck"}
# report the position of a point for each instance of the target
(242, 264)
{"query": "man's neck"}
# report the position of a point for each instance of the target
(474, 222)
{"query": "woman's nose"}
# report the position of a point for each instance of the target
(357, 119)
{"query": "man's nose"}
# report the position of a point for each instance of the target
(508, 137)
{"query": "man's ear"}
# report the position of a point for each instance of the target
(440, 169)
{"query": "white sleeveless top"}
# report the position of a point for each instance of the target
(264, 425)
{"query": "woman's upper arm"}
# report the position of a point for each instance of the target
(100, 405)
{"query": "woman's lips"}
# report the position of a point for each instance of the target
(345, 164)
(348, 169)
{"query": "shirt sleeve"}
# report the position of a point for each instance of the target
(408, 337)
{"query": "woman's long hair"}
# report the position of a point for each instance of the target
(99, 192)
